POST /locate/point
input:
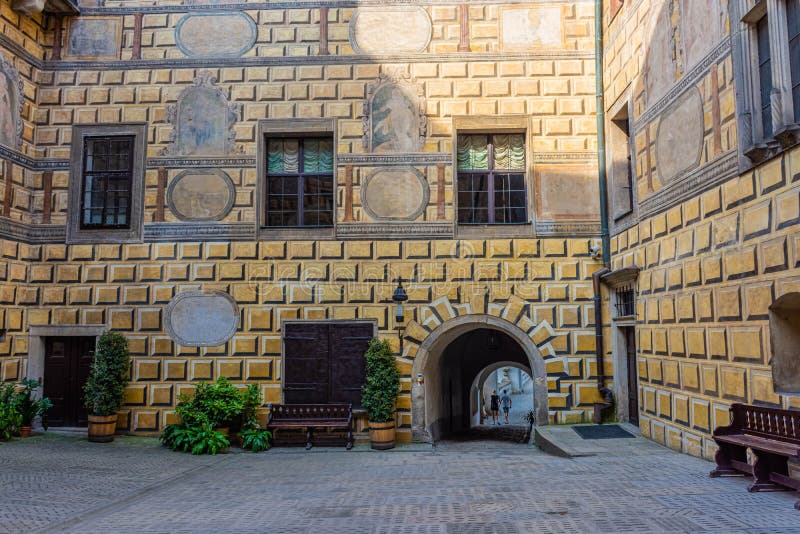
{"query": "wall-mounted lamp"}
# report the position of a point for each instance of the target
(399, 297)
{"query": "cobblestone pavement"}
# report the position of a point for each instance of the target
(64, 484)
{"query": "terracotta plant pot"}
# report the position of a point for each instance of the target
(382, 435)
(24, 431)
(102, 428)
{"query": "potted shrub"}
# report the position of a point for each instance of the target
(105, 386)
(10, 418)
(29, 408)
(379, 394)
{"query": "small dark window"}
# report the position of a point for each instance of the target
(625, 300)
(765, 75)
(491, 179)
(299, 182)
(793, 16)
(107, 180)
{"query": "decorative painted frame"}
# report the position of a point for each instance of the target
(353, 37)
(191, 172)
(252, 37)
(11, 76)
(205, 79)
(201, 293)
(426, 196)
(411, 87)
(512, 7)
(117, 38)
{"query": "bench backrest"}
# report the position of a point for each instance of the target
(310, 412)
(773, 423)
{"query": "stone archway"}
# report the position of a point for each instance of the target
(442, 322)
(481, 377)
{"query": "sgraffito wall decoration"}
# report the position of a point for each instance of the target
(209, 35)
(202, 318)
(11, 99)
(400, 194)
(394, 115)
(525, 28)
(396, 29)
(201, 195)
(679, 141)
(203, 120)
(94, 38)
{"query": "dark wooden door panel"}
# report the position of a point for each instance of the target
(324, 362)
(305, 371)
(67, 362)
(349, 343)
(633, 371)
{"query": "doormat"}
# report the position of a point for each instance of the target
(602, 432)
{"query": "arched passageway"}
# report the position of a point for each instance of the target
(450, 360)
(519, 384)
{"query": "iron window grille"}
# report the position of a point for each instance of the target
(625, 300)
(299, 198)
(106, 182)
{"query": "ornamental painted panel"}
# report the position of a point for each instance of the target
(394, 115)
(679, 141)
(11, 99)
(701, 22)
(531, 28)
(202, 318)
(94, 38)
(211, 35)
(203, 120)
(375, 30)
(399, 194)
(660, 71)
(201, 195)
(557, 187)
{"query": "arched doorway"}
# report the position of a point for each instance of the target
(450, 358)
(482, 387)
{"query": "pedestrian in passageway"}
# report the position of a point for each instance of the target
(505, 401)
(495, 402)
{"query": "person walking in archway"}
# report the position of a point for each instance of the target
(495, 405)
(505, 400)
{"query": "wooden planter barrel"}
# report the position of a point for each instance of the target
(382, 435)
(102, 428)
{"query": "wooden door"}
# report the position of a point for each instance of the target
(633, 381)
(305, 370)
(349, 342)
(67, 361)
(324, 362)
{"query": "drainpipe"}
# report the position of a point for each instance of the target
(604, 234)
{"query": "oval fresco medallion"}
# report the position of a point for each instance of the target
(225, 34)
(395, 194)
(201, 195)
(202, 318)
(390, 30)
(679, 141)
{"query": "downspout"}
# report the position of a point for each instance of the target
(601, 168)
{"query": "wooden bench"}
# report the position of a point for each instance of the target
(773, 436)
(311, 417)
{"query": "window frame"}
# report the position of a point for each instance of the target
(292, 128)
(300, 177)
(77, 232)
(493, 124)
(755, 145)
(106, 175)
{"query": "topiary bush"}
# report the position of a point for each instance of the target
(108, 375)
(382, 387)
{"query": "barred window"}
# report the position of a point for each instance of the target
(764, 75)
(107, 182)
(299, 182)
(491, 179)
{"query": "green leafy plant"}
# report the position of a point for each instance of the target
(199, 439)
(10, 418)
(29, 407)
(382, 387)
(256, 439)
(219, 404)
(251, 402)
(109, 375)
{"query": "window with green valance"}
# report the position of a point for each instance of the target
(284, 155)
(495, 151)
